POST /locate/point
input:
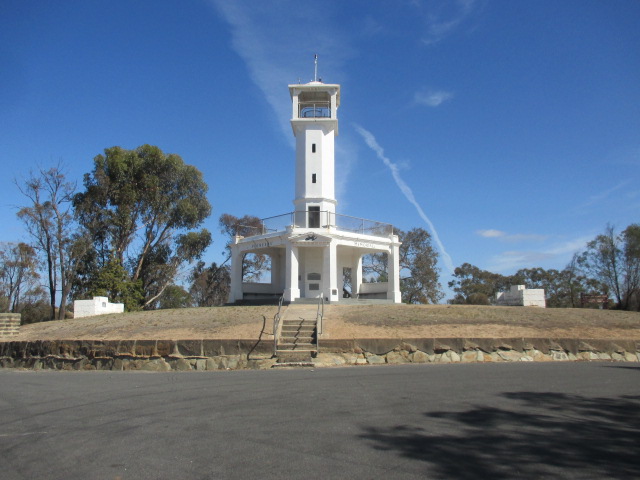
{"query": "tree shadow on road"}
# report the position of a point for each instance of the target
(542, 435)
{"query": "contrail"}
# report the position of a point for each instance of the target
(406, 190)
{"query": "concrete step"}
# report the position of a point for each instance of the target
(295, 323)
(291, 331)
(297, 346)
(297, 339)
(288, 356)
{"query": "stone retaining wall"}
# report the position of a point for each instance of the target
(9, 324)
(165, 355)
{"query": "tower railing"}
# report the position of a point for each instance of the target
(314, 110)
(318, 220)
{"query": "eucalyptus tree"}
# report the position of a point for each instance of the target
(142, 208)
(614, 260)
(419, 273)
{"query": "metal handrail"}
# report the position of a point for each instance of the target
(276, 324)
(319, 317)
(298, 219)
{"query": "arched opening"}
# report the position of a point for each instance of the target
(256, 268)
(375, 276)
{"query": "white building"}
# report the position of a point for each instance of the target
(95, 306)
(313, 249)
(519, 296)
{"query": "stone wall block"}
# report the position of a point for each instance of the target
(408, 347)
(360, 360)
(630, 357)
(396, 358)
(510, 355)
(212, 364)
(419, 357)
(374, 359)
(378, 346)
(190, 348)
(212, 348)
(569, 345)
(470, 356)
(145, 348)
(425, 345)
(103, 363)
(442, 345)
(126, 347)
(164, 348)
(180, 364)
(339, 346)
(559, 356)
(237, 361)
(103, 348)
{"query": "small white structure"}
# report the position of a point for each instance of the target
(95, 306)
(519, 296)
(315, 251)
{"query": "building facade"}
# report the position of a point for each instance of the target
(315, 252)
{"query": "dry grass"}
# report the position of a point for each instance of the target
(383, 321)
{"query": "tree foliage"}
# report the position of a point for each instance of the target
(614, 260)
(18, 275)
(49, 220)
(255, 265)
(175, 296)
(141, 208)
(210, 285)
(419, 274)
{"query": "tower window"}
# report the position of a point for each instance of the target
(313, 148)
(313, 178)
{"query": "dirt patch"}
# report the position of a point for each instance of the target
(341, 321)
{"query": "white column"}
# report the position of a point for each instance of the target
(291, 290)
(235, 290)
(393, 292)
(330, 273)
(356, 275)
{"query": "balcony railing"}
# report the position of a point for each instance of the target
(318, 219)
(314, 110)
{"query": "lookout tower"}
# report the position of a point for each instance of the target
(314, 251)
(314, 122)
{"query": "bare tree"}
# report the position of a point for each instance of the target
(18, 274)
(50, 222)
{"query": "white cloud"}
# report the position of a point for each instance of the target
(491, 233)
(603, 195)
(406, 191)
(513, 260)
(512, 237)
(431, 98)
(442, 19)
(267, 37)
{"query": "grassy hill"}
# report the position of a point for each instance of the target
(384, 321)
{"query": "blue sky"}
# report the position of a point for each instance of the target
(508, 129)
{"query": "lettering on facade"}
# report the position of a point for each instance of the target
(365, 245)
(262, 244)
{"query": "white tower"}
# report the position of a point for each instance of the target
(317, 253)
(315, 124)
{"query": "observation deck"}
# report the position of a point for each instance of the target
(318, 220)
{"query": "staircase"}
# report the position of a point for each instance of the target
(298, 337)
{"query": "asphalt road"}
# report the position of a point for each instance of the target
(489, 421)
